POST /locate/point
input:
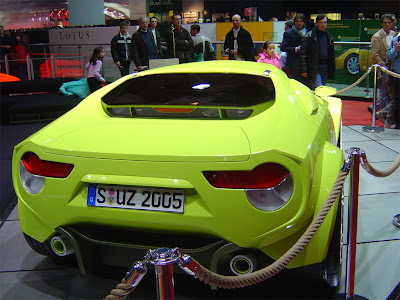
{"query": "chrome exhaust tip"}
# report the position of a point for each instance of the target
(243, 264)
(61, 246)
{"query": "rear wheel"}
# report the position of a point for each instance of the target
(332, 263)
(329, 270)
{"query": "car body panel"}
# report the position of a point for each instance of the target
(321, 187)
(143, 141)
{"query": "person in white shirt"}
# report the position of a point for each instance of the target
(203, 49)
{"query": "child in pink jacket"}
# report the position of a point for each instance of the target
(269, 56)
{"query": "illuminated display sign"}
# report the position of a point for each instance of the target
(57, 15)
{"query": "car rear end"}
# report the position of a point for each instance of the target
(205, 160)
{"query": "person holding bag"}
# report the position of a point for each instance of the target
(203, 49)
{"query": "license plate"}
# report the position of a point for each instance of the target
(136, 198)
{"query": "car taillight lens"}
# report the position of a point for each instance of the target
(268, 186)
(264, 176)
(36, 166)
(33, 171)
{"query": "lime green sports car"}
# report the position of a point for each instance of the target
(227, 160)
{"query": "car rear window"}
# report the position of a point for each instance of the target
(202, 89)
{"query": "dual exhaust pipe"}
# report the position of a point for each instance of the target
(240, 264)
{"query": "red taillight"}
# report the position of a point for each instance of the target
(262, 177)
(35, 165)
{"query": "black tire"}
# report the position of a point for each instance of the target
(332, 263)
(41, 248)
(352, 64)
(329, 270)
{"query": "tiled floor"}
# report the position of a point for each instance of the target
(25, 274)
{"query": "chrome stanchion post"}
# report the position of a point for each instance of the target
(136, 273)
(53, 66)
(28, 67)
(396, 220)
(162, 259)
(372, 128)
(81, 61)
(6, 64)
(31, 68)
(367, 89)
(355, 155)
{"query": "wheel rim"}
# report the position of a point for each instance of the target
(353, 65)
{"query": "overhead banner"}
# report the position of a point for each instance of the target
(352, 60)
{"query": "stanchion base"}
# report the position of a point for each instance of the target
(373, 129)
(396, 220)
(355, 297)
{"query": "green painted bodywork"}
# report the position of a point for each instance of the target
(296, 130)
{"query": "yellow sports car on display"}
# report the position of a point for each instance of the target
(221, 159)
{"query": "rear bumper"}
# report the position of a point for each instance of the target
(218, 214)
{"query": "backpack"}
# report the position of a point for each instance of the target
(200, 56)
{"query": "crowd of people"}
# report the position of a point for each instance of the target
(309, 58)
(306, 55)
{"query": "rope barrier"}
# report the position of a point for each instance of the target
(357, 82)
(365, 75)
(230, 282)
(377, 173)
(122, 290)
(391, 73)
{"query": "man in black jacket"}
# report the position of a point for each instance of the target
(156, 34)
(121, 49)
(317, 57)
(291, 44)
(238, 42)
(179, 42)
(144, 47)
